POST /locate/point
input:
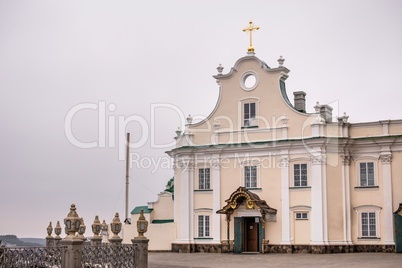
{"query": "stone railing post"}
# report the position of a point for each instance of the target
(140, 252)
(72, 255)
(57, 231)
(96, 241)
(49, 237)
(140, 243)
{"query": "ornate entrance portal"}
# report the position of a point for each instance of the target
(249, 231)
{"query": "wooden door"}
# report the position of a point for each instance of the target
(251, 235)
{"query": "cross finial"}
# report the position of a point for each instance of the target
(250, 29)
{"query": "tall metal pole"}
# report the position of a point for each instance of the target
(127, 174)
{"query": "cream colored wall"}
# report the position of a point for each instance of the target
(335, 198)
(300, 197)
(177, 199)
(129, 231)
(271, 193)
(395, 128)
(161, 236)
(366, 130)
(163, 207)
(301, 232)
(202, 199)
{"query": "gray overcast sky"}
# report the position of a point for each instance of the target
(132, 55)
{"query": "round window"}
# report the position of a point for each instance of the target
(249, 81)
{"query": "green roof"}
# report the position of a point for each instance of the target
(170, 186)
(161, 221)
(137, 210)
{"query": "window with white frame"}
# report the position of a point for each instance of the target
(203, 226)
(300, 175)
(366, 174)
(368, 224)
(301, 216)
(249, 114)
(204, 179)
(250, 176)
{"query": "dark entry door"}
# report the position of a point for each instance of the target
(238, 235)
(251, 235)
(398, 232)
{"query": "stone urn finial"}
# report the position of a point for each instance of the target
(142, 226)
(96, 227)
(281, 60)
(115, 226)
(57, 230)
(72, 222)
(81, 230)
(220, 69)
(49, 230)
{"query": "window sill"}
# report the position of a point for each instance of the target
(203, 238)
(301, 219)
(367, 187)
(203, 190)
(254, 189)
(300, 187)
(246, 127)
(369, 238)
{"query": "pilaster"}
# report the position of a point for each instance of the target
(386, 159)
(284, 164)
(186, 167)
(318, 200)
(216, 185)
(347, 225)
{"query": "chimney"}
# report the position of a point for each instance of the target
(326, 113)
(300, 101)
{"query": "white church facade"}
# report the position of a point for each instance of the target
(260, 174)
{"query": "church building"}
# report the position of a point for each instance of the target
(260, 174)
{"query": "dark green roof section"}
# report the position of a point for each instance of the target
(237, 145)
(137, 210)
(170, 186)
(162, 221)
(284, 94)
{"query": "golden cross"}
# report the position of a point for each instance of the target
(250, 29)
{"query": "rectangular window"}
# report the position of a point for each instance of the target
(203, 226)
(249, 114)
(250, 176)
(367, 174)
(301, 216)
(300, 175)
(368, 224)
(204, 181)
